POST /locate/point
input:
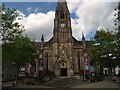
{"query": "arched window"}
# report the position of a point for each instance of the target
(62, 16)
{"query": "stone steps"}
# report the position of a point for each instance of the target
(61, 82)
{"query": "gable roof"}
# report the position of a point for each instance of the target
(76, 42)
(50, 42)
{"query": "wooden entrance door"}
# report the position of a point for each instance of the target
(63, 71)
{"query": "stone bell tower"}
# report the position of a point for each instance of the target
(62, 23)
(62, 38)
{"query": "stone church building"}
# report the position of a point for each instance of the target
(63, 54)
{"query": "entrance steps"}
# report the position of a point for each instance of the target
(62, 82)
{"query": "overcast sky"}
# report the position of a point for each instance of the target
(86, 17)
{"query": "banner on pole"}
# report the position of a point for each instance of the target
(40, 67)
(86, 66)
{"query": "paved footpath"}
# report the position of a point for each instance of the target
(71, 83)
(30, 86)
(101, 84)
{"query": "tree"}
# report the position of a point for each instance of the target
(106, 45)
(21, 51)
(15, 47)
(9, 28)
(104, 49)
(117, 23)
(12, 38)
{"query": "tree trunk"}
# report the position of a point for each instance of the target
(17, 76)
(110, 72)
(101, 73)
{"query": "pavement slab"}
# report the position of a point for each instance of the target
(101, 84)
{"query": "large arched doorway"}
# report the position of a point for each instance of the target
(63, 67)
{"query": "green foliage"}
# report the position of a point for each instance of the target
(9, 29)
(94, 57)
(104, 49)
(15, 47)
(21, 51)
(117, 23)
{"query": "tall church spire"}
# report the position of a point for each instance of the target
(62, 6)
(62, 12)
(62, 22)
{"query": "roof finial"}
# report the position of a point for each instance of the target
(83, 38)
(42, 38)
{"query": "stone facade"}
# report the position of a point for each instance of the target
(63, 54)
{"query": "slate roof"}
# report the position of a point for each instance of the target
(76, 42)
(49, 43)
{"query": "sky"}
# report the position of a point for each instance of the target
(86, 17)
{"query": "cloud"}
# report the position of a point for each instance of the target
(73, 6)
(90, 16)
(38, 24)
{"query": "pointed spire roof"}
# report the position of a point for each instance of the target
(61, 0)
(83, 38)
(42, 38)
(62, 5)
